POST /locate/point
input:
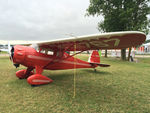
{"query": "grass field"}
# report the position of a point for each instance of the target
(122, 88)
(3, 52)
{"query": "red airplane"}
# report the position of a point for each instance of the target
(51, 55)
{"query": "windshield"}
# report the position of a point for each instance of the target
(35, 46)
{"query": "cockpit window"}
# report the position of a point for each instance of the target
(41, 50)
(50, 53)
(35, 46)
(47, 52)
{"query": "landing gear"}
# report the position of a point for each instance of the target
(23, 74)
(38, 78)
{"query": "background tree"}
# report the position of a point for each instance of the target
(121, 15)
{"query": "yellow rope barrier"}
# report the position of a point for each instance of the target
(75, 62)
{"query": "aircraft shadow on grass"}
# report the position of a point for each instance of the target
(98, 72)
(60, 77)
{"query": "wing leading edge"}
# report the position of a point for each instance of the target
(114, 40)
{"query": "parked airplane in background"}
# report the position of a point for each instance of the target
(51, 55)
(6, 50)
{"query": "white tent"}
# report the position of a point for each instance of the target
(147, 47)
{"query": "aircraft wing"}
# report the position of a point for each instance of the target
(114, 40)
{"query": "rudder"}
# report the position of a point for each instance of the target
(94, 57)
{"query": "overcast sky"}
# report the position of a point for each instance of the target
(45, 19)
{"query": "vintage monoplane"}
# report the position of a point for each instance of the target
(52, 55)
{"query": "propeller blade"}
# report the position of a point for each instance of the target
(9, 49)
(11, 54)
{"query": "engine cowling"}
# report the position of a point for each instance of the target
(19, 54)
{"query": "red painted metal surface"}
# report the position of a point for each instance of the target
(94, 58)
(38, 79)
(21, 74)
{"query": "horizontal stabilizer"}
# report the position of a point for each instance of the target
(101, 65)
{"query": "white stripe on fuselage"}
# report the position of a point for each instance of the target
(75, 63)
(39, 57)
(61, 61)
(37, 80)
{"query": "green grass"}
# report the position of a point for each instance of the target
(3, 52)
(122, 88)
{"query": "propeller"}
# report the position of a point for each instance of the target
(10, 51)
(11, 54)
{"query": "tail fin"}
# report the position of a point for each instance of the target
(94, 57)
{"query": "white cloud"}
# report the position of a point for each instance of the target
(44, 19)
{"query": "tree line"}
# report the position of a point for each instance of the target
(121, 15)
